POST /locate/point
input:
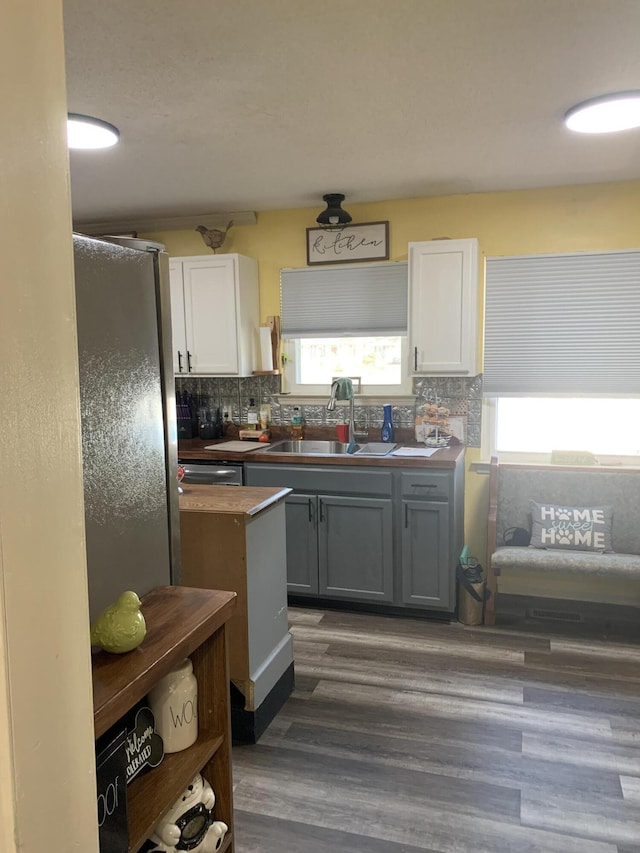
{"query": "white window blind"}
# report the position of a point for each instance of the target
(361, 300)
(563, 324)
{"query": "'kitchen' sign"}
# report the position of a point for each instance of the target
(367, 241)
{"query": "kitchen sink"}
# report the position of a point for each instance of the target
(329, 448)
(320, 448)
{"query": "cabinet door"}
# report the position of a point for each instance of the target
(443, 307)
(211, 314)
(302, 544)
(179, 346)
(355, 548)
(427, 573)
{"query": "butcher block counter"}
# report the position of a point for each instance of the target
(245, 500)
(234, 538)
(446, 457)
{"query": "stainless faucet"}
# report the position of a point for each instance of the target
(332, 404)
(332, 399)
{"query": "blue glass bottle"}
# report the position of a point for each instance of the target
(387, 433)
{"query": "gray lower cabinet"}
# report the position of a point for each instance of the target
(426, 569)
(355, 553)
(385, 535)
(338, 545)
(302, 544)
(431, 519)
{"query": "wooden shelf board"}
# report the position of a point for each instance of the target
(148, 794)
(179, 619)
(226, 844)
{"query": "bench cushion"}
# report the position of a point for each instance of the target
(551, 560)
(519, 485)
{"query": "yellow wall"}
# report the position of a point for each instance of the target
(560, 219)
(47, 760)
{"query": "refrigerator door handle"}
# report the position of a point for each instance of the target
(179, 361)
(188, 362)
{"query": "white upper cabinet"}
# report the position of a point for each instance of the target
(215, 315)
(444, 294)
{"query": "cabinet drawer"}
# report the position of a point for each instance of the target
(430, 484)
(319, 480)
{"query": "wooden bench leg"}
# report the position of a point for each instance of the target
(490, 604)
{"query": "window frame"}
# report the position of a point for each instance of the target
(290, 350)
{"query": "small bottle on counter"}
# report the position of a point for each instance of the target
(252, 415)
(296, 424)
(265, 416)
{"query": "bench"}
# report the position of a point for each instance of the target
(512, 486)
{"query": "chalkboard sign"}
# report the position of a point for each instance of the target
(112, 793)
(143, 747)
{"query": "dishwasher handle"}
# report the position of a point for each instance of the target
(209, 476)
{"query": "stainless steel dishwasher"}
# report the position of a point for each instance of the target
(212, 472)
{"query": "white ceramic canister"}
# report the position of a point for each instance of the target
(174, 702)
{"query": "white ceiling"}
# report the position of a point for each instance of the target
(251, 105)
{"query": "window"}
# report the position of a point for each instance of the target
(346, 321)
(562, 355)
(381, 363)
(539, 425)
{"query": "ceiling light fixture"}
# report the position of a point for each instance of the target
(334, 214)
(620, 111)
(89, 132)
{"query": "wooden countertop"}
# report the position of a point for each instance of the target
(447, 457)
(231, 500)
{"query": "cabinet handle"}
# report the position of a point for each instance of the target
(415, 358)
(310, 505)
(406, 515)
(188, 361)
(424, 485)
(320, 507)
(179, 361)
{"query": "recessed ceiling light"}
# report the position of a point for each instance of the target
(88, 132)
(606, 114)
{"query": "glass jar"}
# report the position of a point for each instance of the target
(174, 702)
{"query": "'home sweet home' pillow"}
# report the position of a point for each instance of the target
(576, 528)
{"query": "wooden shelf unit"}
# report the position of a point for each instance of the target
(181, 622)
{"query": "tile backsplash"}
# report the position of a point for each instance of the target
(461, 395)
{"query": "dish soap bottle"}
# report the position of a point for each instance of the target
(252, 414)
(265, 416)
(387, 433)
(296, 424)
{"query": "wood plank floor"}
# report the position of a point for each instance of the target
(405, 735)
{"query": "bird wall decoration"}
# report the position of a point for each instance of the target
(213, 237)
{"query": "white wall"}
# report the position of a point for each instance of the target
(47, 776)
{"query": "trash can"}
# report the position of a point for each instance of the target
(472, 592)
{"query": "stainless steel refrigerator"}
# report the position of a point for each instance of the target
(127, 400)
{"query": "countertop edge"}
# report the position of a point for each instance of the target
(446, 458)
(219, 500)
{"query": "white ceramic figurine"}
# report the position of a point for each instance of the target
(189, 822)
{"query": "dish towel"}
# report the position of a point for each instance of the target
(344, 390)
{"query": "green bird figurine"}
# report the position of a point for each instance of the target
(120, 627)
